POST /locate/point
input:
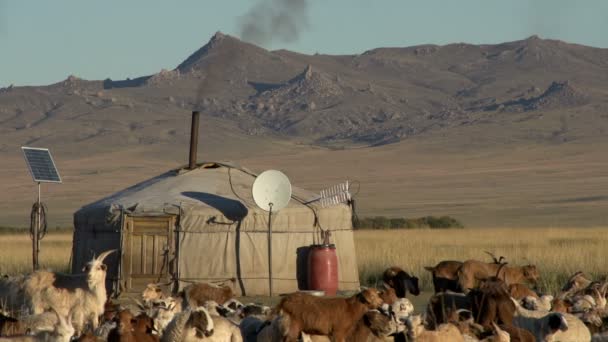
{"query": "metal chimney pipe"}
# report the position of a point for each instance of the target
(193, 139)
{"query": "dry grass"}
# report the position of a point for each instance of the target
(16, 252)
(558, 252)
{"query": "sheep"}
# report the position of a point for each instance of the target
(85, 293)
(396, 278)
(192, 324)
(62, 332)
(558, 326)
(196, 295)
(445, 332)
(225, 330)
(12, 299)
(250, 328)
(163, 312)
(326, 316)
(257, 310)
(152, 292)
(534, 303)
(275, 330)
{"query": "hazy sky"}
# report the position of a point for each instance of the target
(44, 41)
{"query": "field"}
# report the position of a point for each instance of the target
(558, 252)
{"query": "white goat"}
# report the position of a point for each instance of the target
(85, 294)
(189, 325)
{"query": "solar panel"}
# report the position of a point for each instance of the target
(41, 165)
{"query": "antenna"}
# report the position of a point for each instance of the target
(271, 192)
(334, 195)
(43, 170)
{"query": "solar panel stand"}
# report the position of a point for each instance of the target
(35, 240)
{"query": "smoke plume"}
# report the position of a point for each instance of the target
(274, 20)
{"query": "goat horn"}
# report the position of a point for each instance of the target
(104, 255)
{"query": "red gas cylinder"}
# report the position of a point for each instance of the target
(323, 269)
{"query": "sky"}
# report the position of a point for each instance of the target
(45, 41)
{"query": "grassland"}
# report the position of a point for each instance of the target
(558, 252)
(16, 252)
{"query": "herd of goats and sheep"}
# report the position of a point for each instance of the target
(473, 301)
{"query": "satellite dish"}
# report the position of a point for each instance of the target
(271, 190)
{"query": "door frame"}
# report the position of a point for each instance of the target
(129, 223)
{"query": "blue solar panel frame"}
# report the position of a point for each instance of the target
(41, 164)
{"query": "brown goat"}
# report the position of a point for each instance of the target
(10, 326)
(334, 317)
(472, 271)
(388, 296)
(373, 327)
(401, 281)
(445, 275)
(492, 303)
(560, 305)
(521, 291)
(518, 334)
(197, 294)
(130, 329)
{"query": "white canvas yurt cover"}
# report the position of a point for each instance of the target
(202, 225)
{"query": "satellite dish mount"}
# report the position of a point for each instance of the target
(43, 170)
(271, 191)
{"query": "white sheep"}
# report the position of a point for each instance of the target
(83, 294)
(163, 311)
(61, 332)
(189, 325)
(540, 304)
(225, 330)
(445, 332)
(555, 326)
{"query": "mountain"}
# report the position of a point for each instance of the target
(457, 98)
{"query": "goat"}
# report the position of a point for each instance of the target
(85, 293)
(396, 278)
(326, 316)
(445, 276)
(12, 299)
(473, 271)
(520, 291)
(492, 303)
(440, 304)
(576, 282)
(388, 296)
(152, 292)
(196, 295)
(445, 332)
(189, 325)
(131, 329)
(373, 327)
(500, 260)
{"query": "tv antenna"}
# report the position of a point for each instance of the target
(42, 168)
(271, 192)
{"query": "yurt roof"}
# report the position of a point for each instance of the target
(222, 186)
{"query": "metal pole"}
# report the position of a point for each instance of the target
(193, 140)
(270, 249)
(35, 241)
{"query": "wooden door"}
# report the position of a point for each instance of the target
(148, 249)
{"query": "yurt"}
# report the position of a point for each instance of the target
(201, 224)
